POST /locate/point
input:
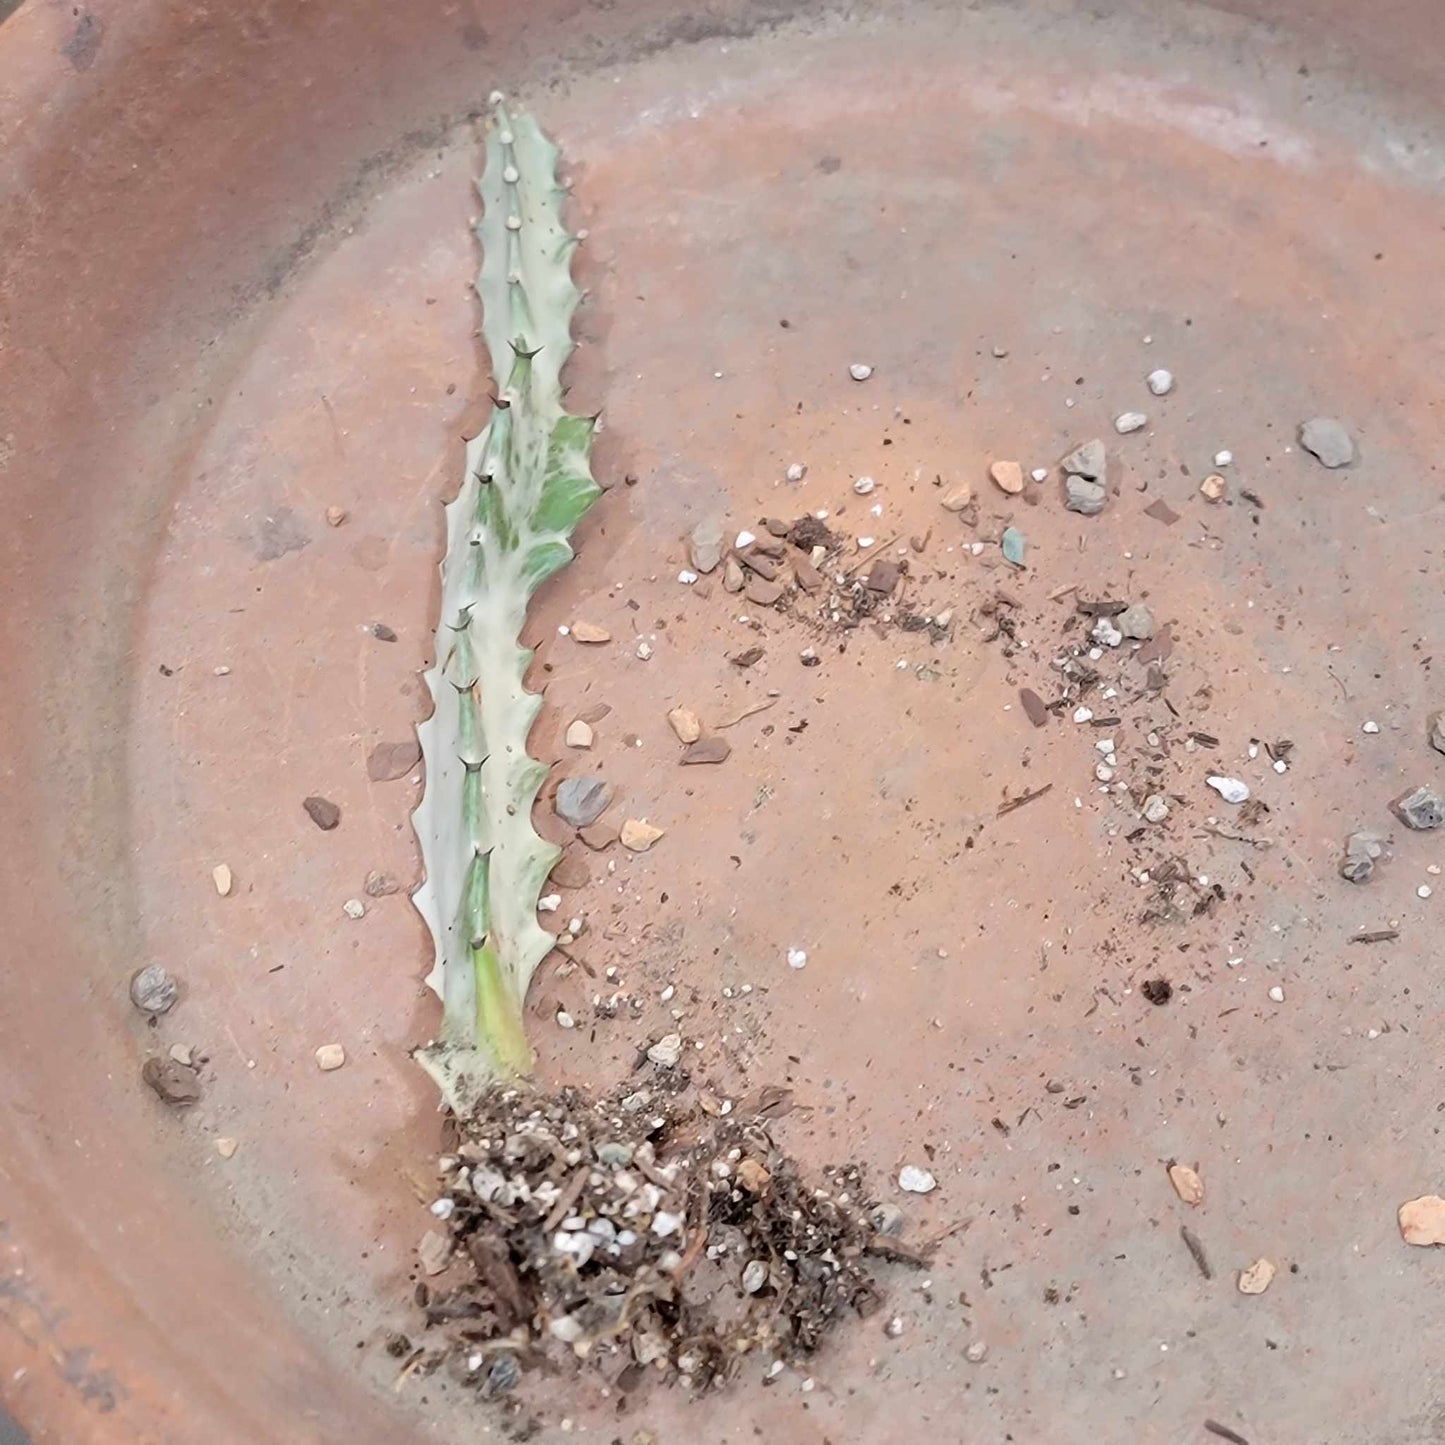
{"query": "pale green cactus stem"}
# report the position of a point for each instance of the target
(528, 481)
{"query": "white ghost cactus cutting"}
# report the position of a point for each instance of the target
(528, 482)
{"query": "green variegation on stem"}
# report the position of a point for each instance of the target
(528, 482)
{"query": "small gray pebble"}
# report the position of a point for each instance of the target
(502, 1376)
(153, 990)
(1086, 461)
(1160, 382)
(581, 801)
(1156, 808)
(1361, 850)
(1328, 440)
(1421, 808)
(704, 545)
(1130, 421)
(1084, 496)
(887, 1219)
(977, 1352)
(1136, 622)
(1437, 731)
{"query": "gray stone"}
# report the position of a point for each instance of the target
(1084, 496)
(1328, 440)
(1136, 622)
(977, 1352)
(581, 801)
(1437, 731)
(887, 1219)
(1161, 382)
(153, 990)
(1130, 421)
(614, 1155)
(1086, 461)
(1361, 850)
(704, 545)
(1156, 808)
(1421, 808)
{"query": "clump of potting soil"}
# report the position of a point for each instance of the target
(646, 1235)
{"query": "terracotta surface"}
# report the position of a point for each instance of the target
(235, 293)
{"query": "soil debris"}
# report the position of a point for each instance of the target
(330, 1057)
(957, 497)
(323, 812)
(748, 657)
(153, 989)
(598, 836)
(173, 1083)
(579, 734)
(226, 1147)
(590, 634)
(654, 1242)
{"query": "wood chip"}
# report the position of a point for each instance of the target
(685, 724)
(227, 1147)
(590, 632)
(638, 835)
(1257, 1277)
(706, 750)
(221, 877)
(1034, 706)
(594, 714)
(747, 657)
(1191, 1241)
(1422, 1220)
(1161, 511)
(330, 1057)
(387, 762)
(1187, 1183)
(323, 812)
(755, 707)
(579, 734)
